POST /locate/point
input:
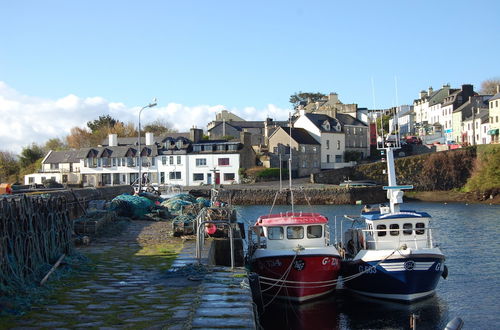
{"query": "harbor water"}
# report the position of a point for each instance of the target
(468, 235)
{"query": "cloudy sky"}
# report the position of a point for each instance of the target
(63, 63)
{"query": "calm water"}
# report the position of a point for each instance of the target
(469, 236)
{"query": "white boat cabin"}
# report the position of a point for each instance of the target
(390, 231)
(288, 230)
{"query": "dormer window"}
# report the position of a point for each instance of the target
(179, 144)
(326, 126)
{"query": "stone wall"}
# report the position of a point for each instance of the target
(316, 196)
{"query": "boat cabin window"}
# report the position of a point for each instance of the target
(275, 232)
(381, 230)
(295, 232)
(407, 228)
(315, 231)
(394, 232)
(420, 231)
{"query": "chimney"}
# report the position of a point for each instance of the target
(498, 89)
(423, 94)
(317, 105)
(150, 138)
(333, 97)
(246, 138)
(113, 140)
(195, 134)
(430, 90)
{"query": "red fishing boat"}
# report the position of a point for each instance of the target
(292, 255)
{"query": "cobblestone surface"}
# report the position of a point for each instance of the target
(128, 288)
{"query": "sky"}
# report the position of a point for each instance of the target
(63, 63)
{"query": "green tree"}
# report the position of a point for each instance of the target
(55, 144)
(103, 122)
(30, 154)
(296, 98)
(9, 167)
(158, 127)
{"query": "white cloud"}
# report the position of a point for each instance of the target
(26, 119)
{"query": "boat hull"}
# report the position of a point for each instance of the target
(299, 278)
(406, 279)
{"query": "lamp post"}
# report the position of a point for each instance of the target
(150, 105)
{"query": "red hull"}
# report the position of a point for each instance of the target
(315, 275)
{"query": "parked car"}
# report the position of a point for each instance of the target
(413, 140)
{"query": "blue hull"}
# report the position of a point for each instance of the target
(400, 279)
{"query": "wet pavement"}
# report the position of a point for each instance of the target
(133, 286)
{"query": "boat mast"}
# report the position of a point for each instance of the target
(290, 159)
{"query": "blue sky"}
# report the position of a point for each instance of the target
(245, 56)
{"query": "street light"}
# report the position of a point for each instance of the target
(150, 105)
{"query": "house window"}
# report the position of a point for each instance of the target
(99, 162)
(153, 161)
(327, 144)
(54, 166)
(314, 149)
(124, 161)
(208, 148)
(228, 176)
(201, 162)
(327, 158)
(315, 163)
(275, 150)
(338, 145)
(164, 160)
(197, 148)
(175, 175)
(232, 147)
(171, 161)
(114, 161)
(198, 176)
(221, 147)
(178, 160)
(106, 178)
(303, 148)
(134, 177)
(162, 177)
(65, 178)
(116, 178)
(31, 179)
(338, 158)
(223, 161)
(130, 161)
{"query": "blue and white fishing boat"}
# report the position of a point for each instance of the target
(393, 255)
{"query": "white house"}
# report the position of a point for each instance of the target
(60, 166)
(328, 132)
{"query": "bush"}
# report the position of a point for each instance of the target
(486, 173)
(271, 174)
(352, 156)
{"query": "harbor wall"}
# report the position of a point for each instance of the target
(318, 195)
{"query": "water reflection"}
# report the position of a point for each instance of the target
(344, 310)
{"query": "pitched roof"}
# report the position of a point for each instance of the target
(495, 97)
(65, 156)
(346, 119)
(319, 119)
(132, 141)
(300, 135)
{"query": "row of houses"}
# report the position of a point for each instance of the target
(453, 115)
(314, 138)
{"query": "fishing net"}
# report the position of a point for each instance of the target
(131, 206)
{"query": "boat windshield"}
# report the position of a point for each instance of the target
(275, 232)
(295, 232)
(315, 231)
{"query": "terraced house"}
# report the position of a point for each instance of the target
(179, 158)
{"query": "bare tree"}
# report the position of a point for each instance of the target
(489, 86)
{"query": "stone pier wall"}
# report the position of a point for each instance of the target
(317, 196)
